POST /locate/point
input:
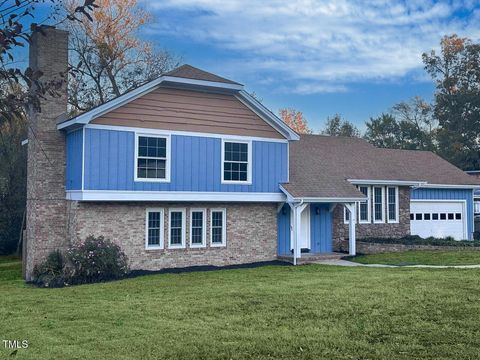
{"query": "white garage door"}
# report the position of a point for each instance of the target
(438, 219)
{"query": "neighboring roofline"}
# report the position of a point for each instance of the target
(310, 199)
(418, 183)
(258, 108)
(241, 95)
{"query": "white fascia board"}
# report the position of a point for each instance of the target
(258, 108)
(449, 186)
(213, 84)
(387, 182)
(292, 199)
(88, 116)
(183, 133)
(113, 195)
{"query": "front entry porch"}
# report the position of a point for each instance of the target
(305, 231)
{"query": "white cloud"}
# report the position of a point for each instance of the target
(318, 46)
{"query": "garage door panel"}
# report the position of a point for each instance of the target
(438, 219)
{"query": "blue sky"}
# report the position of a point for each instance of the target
(322, 57)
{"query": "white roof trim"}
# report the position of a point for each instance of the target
(127, 195)
(448, 186)
(307, 199)
(387, 182)
(259, 109)
(242, 96)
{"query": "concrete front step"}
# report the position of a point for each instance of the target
(312, 258)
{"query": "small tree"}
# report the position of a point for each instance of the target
(337, 126)
(383, 131)
(295, 120)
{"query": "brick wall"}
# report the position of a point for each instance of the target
(375, 248)
(251, 233)
(402, 228)
(46, 204)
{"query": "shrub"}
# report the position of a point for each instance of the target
(417, 240)
(51, 272)
(96, 259)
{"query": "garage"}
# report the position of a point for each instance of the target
(438, 219)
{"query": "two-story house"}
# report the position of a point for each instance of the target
(189, 169)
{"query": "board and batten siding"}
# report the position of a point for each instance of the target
(192, 111)
(74, 144)
(448, 194)
(195, 164)
(321, 238)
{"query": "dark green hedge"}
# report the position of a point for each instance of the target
(417, 240)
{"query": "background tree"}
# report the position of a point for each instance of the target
(456, 72)
(383, 131)
(108, 55)
(337, 126)
(410, 125)
(295, 120)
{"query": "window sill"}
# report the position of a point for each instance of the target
(227, 182)
(151, 180)
(218, 245)
(203, 246)
(175, 247)
(149, 248)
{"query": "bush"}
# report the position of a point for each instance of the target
(51, 272)
(417, 240)
(96, 259)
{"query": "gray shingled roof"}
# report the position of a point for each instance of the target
(320, 166)
(189, 72)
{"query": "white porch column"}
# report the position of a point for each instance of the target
(297, 213)
(351, 229)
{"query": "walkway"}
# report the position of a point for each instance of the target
(340, 262)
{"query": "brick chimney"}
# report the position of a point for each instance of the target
(46, 204)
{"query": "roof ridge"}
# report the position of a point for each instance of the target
(191, 72)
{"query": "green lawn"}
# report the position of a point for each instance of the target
(274, 312)
(421, 257)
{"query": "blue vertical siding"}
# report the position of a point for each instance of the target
(321, 228)
(195, 164)
(73, 176)
(448, 194)
(321, 239)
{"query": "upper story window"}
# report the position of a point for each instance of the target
(392, 204)
(152, 161)
(236, 162)
(378, 204)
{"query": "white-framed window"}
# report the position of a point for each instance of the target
(392, 204)
(218, 227)
(364, 209)
(154, 230)
(378, 204)
(152, 157)
(236, 161)
(198, 228)
(176, 228)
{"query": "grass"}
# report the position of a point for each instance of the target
(421, 257)
(273, 312)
